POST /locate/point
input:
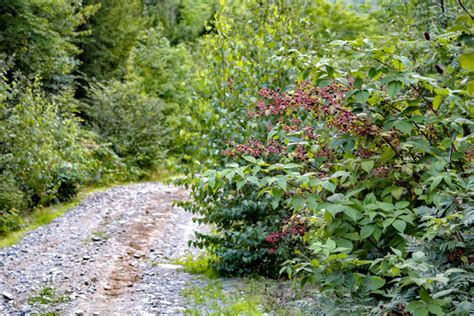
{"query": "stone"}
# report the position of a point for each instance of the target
(8, 296)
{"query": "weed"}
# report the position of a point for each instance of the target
(47, 295)
(100, 234)
(199, 265)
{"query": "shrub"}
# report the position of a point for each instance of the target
(132, 122)
(371, 162)
(41, 157)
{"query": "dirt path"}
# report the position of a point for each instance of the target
(108, 255)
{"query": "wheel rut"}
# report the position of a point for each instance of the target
(103, 257)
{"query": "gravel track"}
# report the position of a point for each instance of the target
(109, 255)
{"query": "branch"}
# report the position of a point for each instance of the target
(465, 9)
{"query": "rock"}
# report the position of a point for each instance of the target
(8, 296)
(86, 258)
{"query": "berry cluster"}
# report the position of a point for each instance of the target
(297, 112)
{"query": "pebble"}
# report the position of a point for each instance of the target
(8, 296)
(68, 264)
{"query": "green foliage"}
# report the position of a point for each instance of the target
(113, 33)
(132, 122)
(246, 296)
(182, 21)
(41, 156)
(355, 162)
(41, 37)
(60, 129)
(161, 70)
(254, 45)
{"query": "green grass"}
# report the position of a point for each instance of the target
(245, 296)
(44, 215)
(239, 296)
(198, 265)
(47, 295)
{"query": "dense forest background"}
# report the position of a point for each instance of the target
(91, 93)
(329, 141)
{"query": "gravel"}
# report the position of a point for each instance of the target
(111, 254)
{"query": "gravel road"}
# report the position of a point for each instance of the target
(109, 255)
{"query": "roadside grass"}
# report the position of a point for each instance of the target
(246, 296)
(214, 295)
(44, 215)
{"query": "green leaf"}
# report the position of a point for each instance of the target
(387, 154)
(396, 251)
(394, 88)
(250, 159)
(351, 212)
(312, 202)
(399, 225)
(467, 61)
(366, 231)
(253, 179)
(470, 87)
(401, 205)
(328, 185)
(404, 126)
(435, 182)
(291, 166)
(241, 183)
(367, 165)
(385, 206)
(417, 308)
(397, 192)
(281, 181)
(437, 101)
(375, 283)
(435, 309)
(297, 203)
(362, 96)
(334, 208)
